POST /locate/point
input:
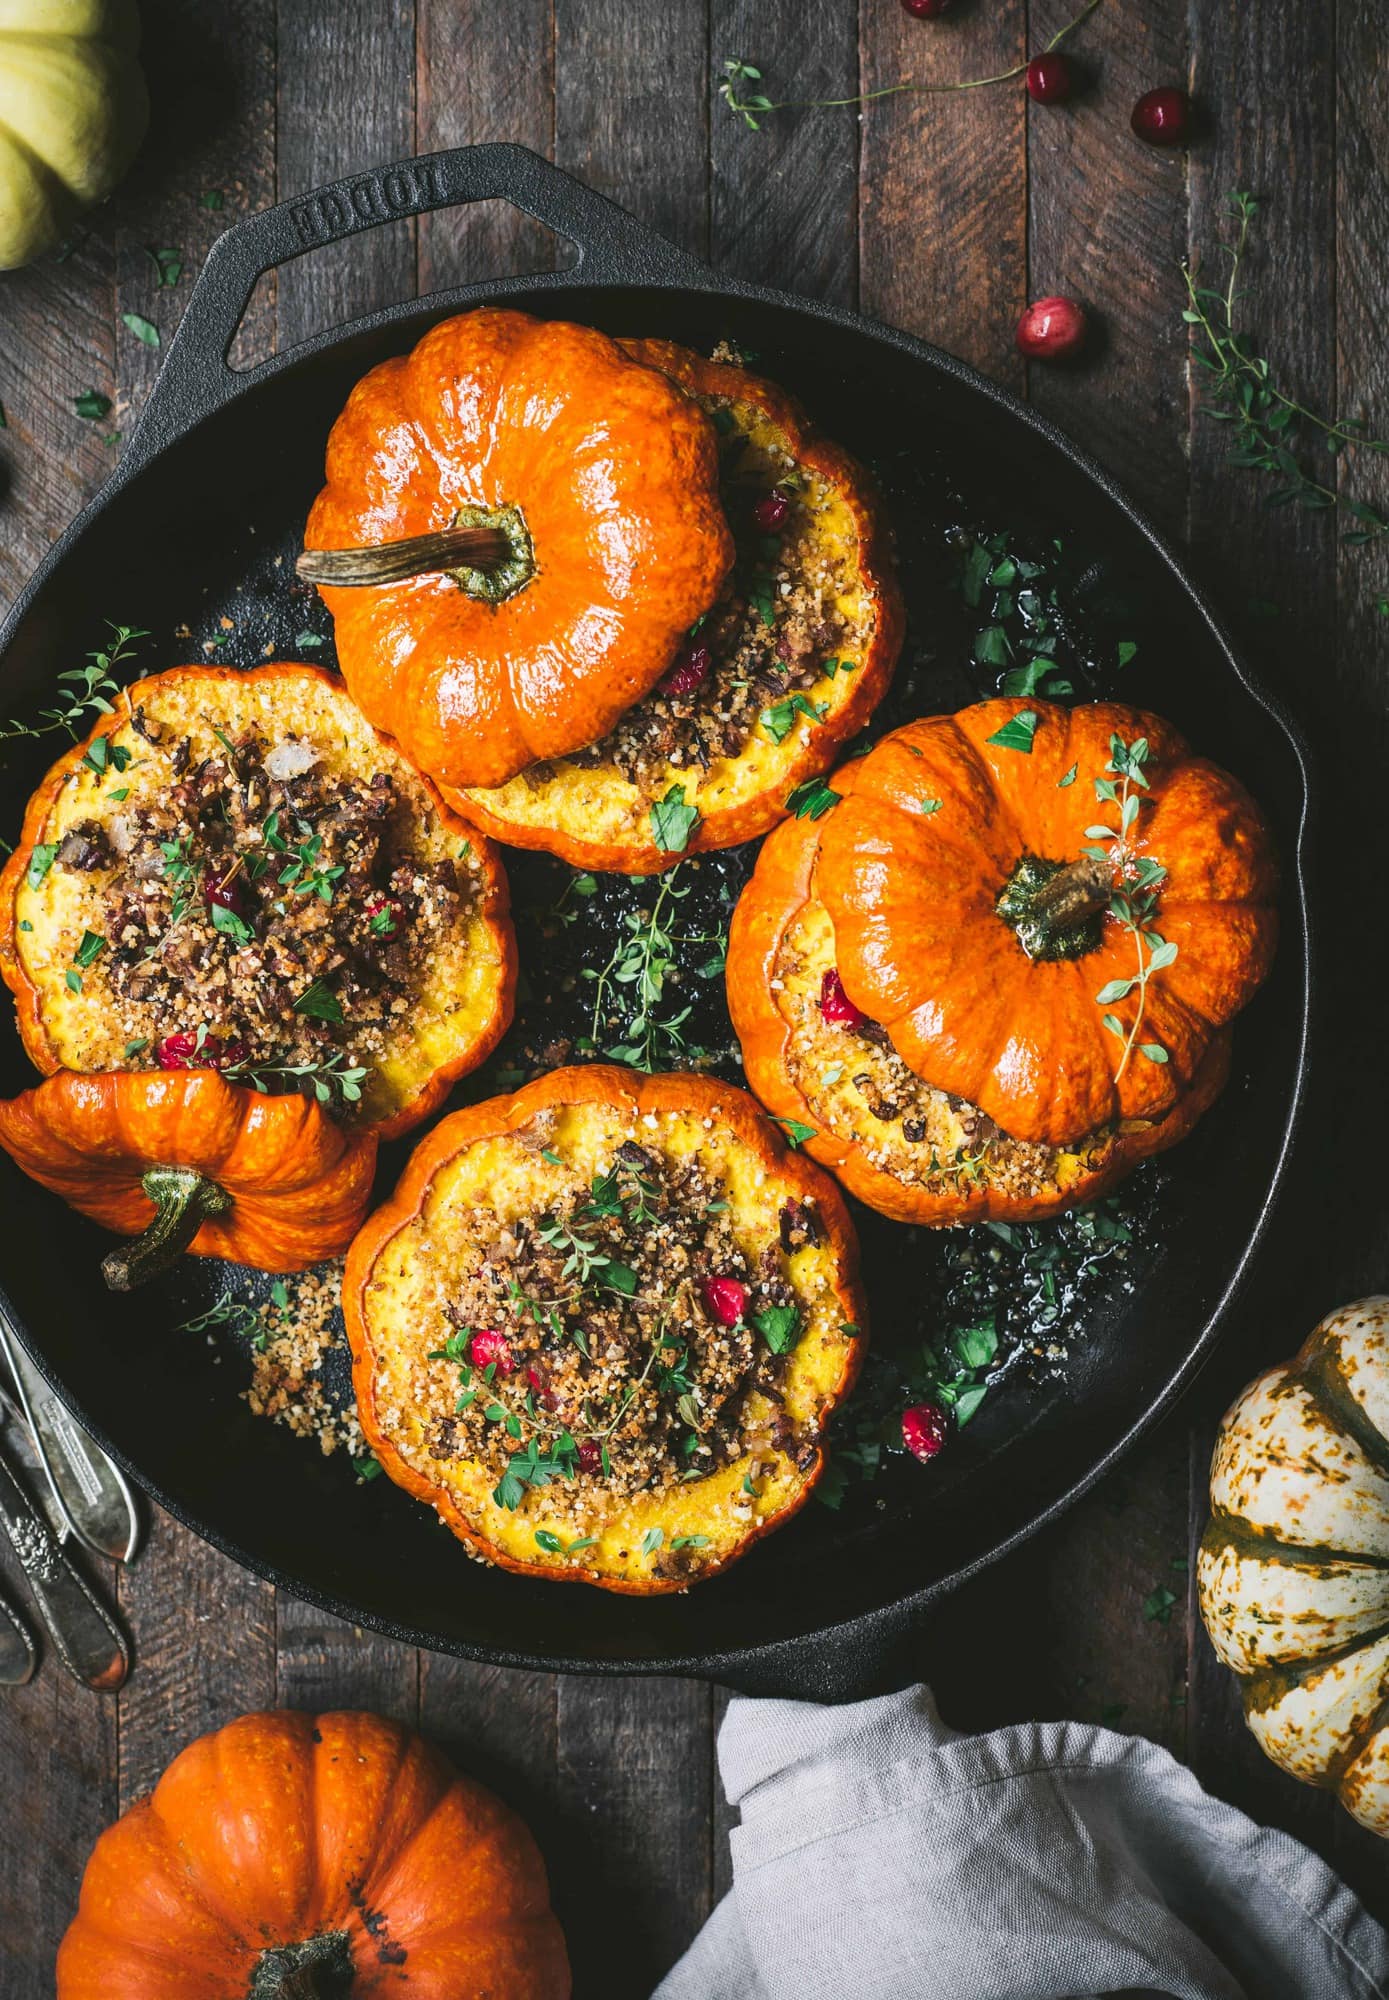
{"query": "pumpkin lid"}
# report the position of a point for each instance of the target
(1051, 911)
(601, 476)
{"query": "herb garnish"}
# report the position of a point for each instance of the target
(645, 961)
(90, 690)
(812, 799)
(1135, 896)
(327, 1076)
(1243, 393)
(672, 821)
(144, 330)
(1017, 734)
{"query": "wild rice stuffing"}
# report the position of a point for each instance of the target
(616, 1338)
(292, 1337)
(265, 917)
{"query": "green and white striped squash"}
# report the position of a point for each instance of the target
(1293, 1572)
(73, 110)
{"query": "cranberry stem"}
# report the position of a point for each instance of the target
(897, 89)
(183, 1200)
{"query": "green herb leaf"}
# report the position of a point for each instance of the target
(143, 329)
(212, 198)
(1127, 650)
(812, 799)
(231, 925)
(319, 1004)
(779, 1327)
(90, 949)
(41, 859)
(929, 806)
(308, 642)
(1018, 733)
(796, 1133)
(991, 648)
(91, 404)
(652, 1540)
(672, 821)
(1069, 779)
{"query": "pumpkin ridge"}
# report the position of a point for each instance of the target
(1264, 1689)
(1247, 1538)
(1320, 1372)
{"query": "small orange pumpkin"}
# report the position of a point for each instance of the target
(601, 476)
(708, 1452)
(936, 977)
(302, 1857)
(806, 667)
(188, 1161)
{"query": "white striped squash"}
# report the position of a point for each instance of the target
(1293, 1573)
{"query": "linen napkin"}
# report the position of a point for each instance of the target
(882, 1856)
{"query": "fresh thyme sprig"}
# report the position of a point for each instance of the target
(1242, 392)
(328, 1077)
(753, 107)
(1134, 900)
(645, 962)
(87, 691)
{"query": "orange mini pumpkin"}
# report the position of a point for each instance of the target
(938, 976)
(298, 1857)
(188, 1161)
(602, 1324)
(789, 664)
(602, 479)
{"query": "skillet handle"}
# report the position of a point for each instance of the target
(876, 1654)
(614, 248)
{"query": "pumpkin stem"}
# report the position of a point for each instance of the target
(486, 550)
(320, 1968)
(1053, 905)
(183, 1200)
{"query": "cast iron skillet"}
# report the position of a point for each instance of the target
(212, 489)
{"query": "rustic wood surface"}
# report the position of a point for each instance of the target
(941, 214)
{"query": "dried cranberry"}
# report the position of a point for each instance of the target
(184, 1051)
(490, 1349)
(835, 1005)
(924, 1430)
(590, 1455)
(1162, 117)
(926, 10)
(770, 512)
(689, 670)
(1049, 78)
(539, 1384)
(725, 1298)
(227, 891)
(1051, 329)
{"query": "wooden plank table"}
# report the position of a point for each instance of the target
(941, 214)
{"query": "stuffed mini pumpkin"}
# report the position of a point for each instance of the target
(235, 872)
(1293, 1573)
(600, 479)
(996, 968)
(602, 1324)
(192, 1162)
(302, 1857)
(73, 110)
(786, 667)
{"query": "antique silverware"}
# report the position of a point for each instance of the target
(89, 1642)
(18, 1654)
(88, 1489)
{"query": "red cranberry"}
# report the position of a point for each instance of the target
(924, 1430)
(1051, 330)
(926, 10)
(1162, 117)
(835, 1005)
(182, 1051)
(590, 1455)
(538, 1383)
(725, 1298)
(488, 1349)
(689, 670)
(1049, 78)
(771, 512)
(227, 891)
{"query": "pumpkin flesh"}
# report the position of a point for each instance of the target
(495, 1174)
(614, 472)
(911, 1151)
(298, 1184)
(802, 645)
(285, 1849)
(254, 1000)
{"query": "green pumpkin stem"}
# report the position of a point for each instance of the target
(183, 1200)
(320, 1968)
(486, 550)
(1055, 906)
